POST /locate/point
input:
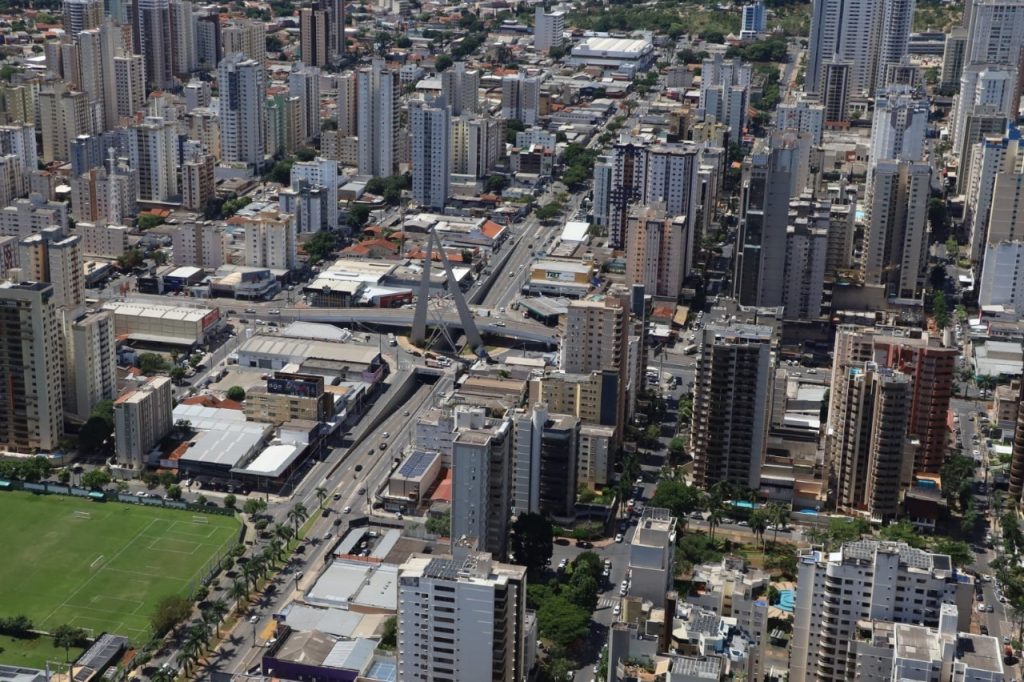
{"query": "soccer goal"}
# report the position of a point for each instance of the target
(81, 515)
(200, 519)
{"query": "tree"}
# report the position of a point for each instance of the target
(959, 551)
(305, 154)
(16, 626)
(177, 374)
(939, 310)
(957, 475)
(778, 515)
(440, 525)
(715, 517)
(283, 532)
(952, 247)
(239, 591)
(532, 542)
(298, 515)
(254, 506)
(321, 495)
(403, 42)
(681, 499)
(215, 612)
(174, 492)
(548, 211)
(97, 478)
(148, 221)
(562, 621)
(66, 636)
(170, 612)
(320, 246)
(443, 62)
(130, 260)
(281, 173)
(358, 215)
(151, 363)
(230, 500)
(389, 636)
(236, 393)
(495, 184)
(758, 525)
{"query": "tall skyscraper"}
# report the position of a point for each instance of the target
(836, 91)
(804, 115)
(995, 32)
(752, 20)
(461, 89)
(866, 34)
(430, 125)
(898, 127)
(992, 159)
(461, 619)
(377, 93)
(63, 116)
(520, 98)
(153, 35)
(482, 486)
(130, 83)
(245, 36)
(548, 28)
(153, 146)
(183, 48)
(31, 386)
(477, 144)
(984, 85)
(336, 33)
(242, 110)
(544, 467)
(209, 47)
(807, 250)
(81, 15)
(348, 104)
(304, 83)
(774, 173)
(953, 60)
(896, 252)
(731, 405)
(313, 36)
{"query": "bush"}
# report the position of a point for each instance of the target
(236, 393)
(170, 612)
(16, 626)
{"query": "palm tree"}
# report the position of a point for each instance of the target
(714, 519)
(777, 516)
(282, 532)
(758, 525)
(251, 571)
(277, 548)
(321, 495)
(267, 559)
(298, 515)
(200, 631)
(216, 610)
(239, 591)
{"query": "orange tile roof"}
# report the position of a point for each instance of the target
(213, 401)
(444, 488)
(491, 229)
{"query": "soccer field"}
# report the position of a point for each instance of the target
(105, 572)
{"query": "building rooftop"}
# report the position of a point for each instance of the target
(979, 652)
(346, 582)
(916, 643)
(697, 667)
(157, 311)
(303, 350)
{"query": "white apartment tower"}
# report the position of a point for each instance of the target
(460, 87)
(153, 147)
(242, 85)
(31, 356)
(652, 555)
(866, 580)
(431, 153)
(51, 256)
(548, 28)
(807, 249)
(270, 240)
(322, 173)
(245, 36)
(804, 115)
(898, 127)
(348, 104)
(520, 98)
(984, 85)
(725, 92)
(482, 485)
(377, 89)
(304, 83)
(90, 369)
(63, 115)
(476, 143)
(81, 15)
(130, 81)
(461, 619)
(896, 254)
(992, 159)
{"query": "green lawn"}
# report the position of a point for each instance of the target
(32, 653)
(104, 573)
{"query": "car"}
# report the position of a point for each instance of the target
(606, 573)
(301, 549)
(562, 564)
(607, 563)
(142, 493)
(254, 619)
(327, 536)
(981, 608)
(618, 537)
(346, 510)
(275, 311)
(398, 515)
(326, 511)
(639, 480)
(622, 591)
(990, 608)
(337, 496)
(337, 521)
(385, 435)
(984, 630)
(361, 491)
(499, 323)
(617, 610)
(406, 413)
(383, 446)
(251, 311)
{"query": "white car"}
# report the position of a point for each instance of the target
(347, 510)
(617, 610)
(618, 537)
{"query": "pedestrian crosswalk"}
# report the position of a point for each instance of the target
(607, 602)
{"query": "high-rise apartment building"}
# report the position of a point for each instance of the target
(896, 254)
(199, 243)
(731, 404)
(82, 15)
(31, 355)
(953, 60)
(90, 362)
(430, 125)
(313, 36)
(995, 32)
(996, 88)
(461, 619)
(656, 250)
(197, 182)
(993, 159)
(652, 556)
(321, 173)
(348, 104)
(865, 581)
(807, 248)
(460, 88)
(25, 217)
(482, 486)
(725, 92)
(130, 81)
(209, 45)
(153, 37)
(153, 149)
(752, 20)
(246, 36)
(873, 458)
(141, 419)
(377, 94)
(242, 84)
(520, 98)
(63, 116)
(898, 127)
(775, 172)
(270, 240)
(304, 83)
(544, 471)
(804, 115)
(184, 59)
(836, 91)
(477, 142)
(548, 28)
(106, 196)
(336, 31)
(51, 256)
(868, 35)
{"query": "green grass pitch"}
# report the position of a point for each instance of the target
(104, 573)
